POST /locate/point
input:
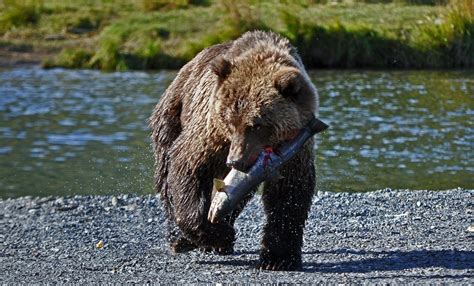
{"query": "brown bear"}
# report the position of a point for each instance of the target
(222, 109)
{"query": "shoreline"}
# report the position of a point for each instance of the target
(12, 60)
(16, 59)
(386, 236)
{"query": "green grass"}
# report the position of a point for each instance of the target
(153, 34)
(18, 14)
(441, 39)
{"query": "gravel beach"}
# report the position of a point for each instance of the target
(387, 236)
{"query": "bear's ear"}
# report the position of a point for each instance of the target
(221, 67)
(290, 83)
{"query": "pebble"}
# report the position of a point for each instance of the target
(384, 237)
(114, 201)
(99, 244)
(130, 208)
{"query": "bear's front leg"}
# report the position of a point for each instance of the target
(190, 177)
(286, 204)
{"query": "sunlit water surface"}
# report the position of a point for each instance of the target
(65, 132)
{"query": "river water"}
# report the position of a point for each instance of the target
(67, 132)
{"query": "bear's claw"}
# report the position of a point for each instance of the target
(279, 265)
(182, 245)
(218, 250)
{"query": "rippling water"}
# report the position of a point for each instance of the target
(66, 132)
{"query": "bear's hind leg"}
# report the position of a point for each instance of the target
(287, 203)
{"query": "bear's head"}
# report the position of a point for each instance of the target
(260, 100)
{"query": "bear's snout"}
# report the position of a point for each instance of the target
(244, 162)
(243, 152)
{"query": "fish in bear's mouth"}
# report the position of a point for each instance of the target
(237, 184)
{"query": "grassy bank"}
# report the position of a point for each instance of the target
(152, 34)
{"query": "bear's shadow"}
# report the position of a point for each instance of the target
(383, 261)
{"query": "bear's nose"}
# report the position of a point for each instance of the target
(236, 164)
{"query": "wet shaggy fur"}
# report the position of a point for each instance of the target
(221, 110)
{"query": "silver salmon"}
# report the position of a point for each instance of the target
(228, 193)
